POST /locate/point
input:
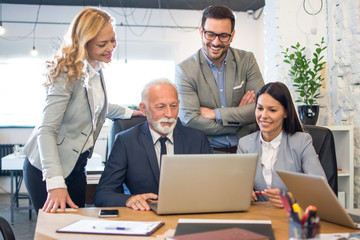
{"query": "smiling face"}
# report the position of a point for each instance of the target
(215, 49)
(270, 115)
(161, 108)
(101, 47)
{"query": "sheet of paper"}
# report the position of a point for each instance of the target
(112, 227)
(336, 236)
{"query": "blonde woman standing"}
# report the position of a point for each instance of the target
(75, 109)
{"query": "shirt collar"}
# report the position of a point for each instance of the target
(92, 71)
(275, 143)
(211, 64)
(155, 136)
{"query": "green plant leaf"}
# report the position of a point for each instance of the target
(306, 72)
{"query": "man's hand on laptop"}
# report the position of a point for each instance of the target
(141, 201)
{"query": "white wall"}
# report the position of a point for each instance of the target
(286, 23)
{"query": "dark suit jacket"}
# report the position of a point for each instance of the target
(133, 161)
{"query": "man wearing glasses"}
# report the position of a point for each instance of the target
(217, 85)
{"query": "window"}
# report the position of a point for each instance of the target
(22, 94)
(125, 81)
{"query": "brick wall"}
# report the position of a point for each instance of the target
(286, 22)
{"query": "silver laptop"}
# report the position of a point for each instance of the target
(315, 190)
(205, 183)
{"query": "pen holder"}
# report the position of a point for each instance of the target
(298, 231)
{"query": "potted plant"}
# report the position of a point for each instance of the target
(306, 74)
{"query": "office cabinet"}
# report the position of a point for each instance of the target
(344, 147)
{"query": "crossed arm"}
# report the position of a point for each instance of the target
(248, 98)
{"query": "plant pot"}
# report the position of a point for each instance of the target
(308, 114)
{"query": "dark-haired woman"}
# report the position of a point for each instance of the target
(280, 142)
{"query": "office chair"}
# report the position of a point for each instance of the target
(119, 125)
(116, 126)
(6, 230)
(324, 144)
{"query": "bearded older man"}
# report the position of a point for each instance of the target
(135, 158)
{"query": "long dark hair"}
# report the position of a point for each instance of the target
(281, 93)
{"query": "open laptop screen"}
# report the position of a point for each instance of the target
(206, 183)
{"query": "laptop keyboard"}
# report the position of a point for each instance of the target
(355, 218)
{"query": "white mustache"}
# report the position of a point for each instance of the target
(167, 120)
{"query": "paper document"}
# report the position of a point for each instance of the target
(112, 227)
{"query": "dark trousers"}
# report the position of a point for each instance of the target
(75, 182)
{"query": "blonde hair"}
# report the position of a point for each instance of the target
(85, 26)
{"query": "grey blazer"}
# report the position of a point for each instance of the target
(197, 88)
(296, 154)
(66, 124)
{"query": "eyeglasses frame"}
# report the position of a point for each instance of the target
(216, 35)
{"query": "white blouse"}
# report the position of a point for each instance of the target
(270, 151)
(98, 98)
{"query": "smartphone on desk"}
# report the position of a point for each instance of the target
(108, 213)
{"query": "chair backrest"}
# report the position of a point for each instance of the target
(324, 144)
(119, 125)
(6, 230)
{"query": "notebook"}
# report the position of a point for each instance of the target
(315, 190)
(205, 183)
(192, 226)
(223, 234)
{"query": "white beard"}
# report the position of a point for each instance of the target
(158, 127)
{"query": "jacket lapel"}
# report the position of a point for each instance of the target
(209, 78)
(104, 110)
(90, 99)
(229, 79)
(259, 174)
(150, 151)
(280, 163)
(178, 139)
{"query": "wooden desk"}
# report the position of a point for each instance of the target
(48, 223)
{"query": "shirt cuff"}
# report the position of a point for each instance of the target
(218, 115)
(128, 113)
(55, 182)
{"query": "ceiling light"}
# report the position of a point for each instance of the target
(34, 52)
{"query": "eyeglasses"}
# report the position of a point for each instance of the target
(223, 37)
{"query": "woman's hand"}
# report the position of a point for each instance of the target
(57, 198)
(274, 197)
(254, 195)
(137, 113)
